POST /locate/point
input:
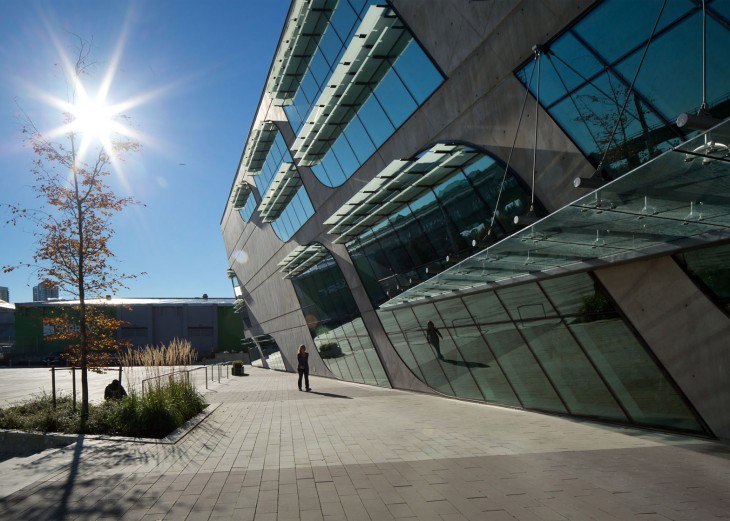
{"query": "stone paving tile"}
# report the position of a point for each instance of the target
(269, 452)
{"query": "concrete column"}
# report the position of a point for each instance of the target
(693, 345)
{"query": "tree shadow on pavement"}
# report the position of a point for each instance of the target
(84, 486)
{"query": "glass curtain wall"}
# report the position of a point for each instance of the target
(452, 220)
(587, 72)
(710, 267)
(299, 208)
(247, 211)
(335, 324)
(558, 346)
(269, 349)
(412, 78)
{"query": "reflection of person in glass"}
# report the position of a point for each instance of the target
(434, 337)
(303, 367)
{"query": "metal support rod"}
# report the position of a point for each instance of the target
(53, 384)
(73, 380)
(704, 56)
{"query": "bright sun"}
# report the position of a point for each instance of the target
(93, 119)
(94, 122)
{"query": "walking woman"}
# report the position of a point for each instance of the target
(303, 367)
(434, 337)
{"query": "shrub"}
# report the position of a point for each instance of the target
(330, 350)
(163, 406)
(153, 415)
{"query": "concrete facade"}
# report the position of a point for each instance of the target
(479, 48)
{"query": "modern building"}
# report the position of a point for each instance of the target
(7, 330)
(210, 324)
(4, 294)
(521, 202)
(44, 291)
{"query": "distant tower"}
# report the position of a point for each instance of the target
(4, 294)
(44, 291)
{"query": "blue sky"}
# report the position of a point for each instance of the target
(200, 67)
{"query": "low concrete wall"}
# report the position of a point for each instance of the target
(26, 443)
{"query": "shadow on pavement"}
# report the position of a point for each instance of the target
(331, 395)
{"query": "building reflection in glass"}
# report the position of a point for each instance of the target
(336, 326)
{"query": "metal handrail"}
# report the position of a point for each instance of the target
(188, 371)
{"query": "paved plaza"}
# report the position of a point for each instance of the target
(353, 452)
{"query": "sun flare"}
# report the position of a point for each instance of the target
(93, 119)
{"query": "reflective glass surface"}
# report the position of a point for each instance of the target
(335, 324)
(587, 72)
(247, 211)
(451, 219)
(710, 267)
(299, 208)
(264, 352)
(558, 346)
(410, 79)
(677, 200)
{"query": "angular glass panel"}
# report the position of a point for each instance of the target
(343, 20)
(570, 372)
(395, 99)
(417, 72)
(367, 274)
(381, 378)
(475, 354)
(390, 325)
(568, 65)
(398, 259)
(578, 294)
(320, 70)
(431, 218)
(309, 87)
(483, 308)
(633, 376)
(376, 123)
(496, 188)
(424, 354)
(303, 106)
(673, 89)
(468, 215)
(345, 157)
(350, 359)
(404, 351)
(359, 140)
(526, 302)
(590, 116)
(637, 19)
(486, 308)
(333, 320)
(330, 46)
(520, 367)
(334, 175)
(443, 339)
(711, 268)
(296, 119)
